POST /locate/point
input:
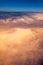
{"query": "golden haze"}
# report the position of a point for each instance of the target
(20, 43)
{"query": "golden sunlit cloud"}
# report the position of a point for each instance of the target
(21, 40)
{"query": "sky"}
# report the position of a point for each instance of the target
(31, 5)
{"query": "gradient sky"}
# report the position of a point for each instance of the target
(31, 5)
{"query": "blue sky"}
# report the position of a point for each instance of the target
(31, 5)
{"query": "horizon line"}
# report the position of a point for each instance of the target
(20, 11)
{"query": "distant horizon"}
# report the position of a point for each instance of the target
(20, 11)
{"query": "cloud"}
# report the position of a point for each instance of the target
(38, 16)
(21, 40)
(24, 21)
(21, 46)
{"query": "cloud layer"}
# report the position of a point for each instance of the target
(27, 20)
(21, 47)
(21, 39)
